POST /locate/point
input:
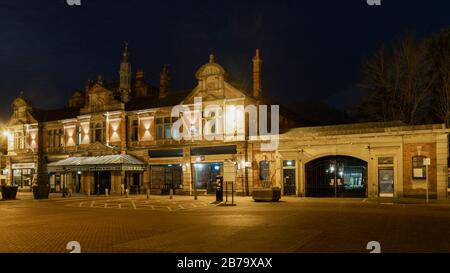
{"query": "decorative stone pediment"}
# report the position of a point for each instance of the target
(101, 99)
(21, 112)
(98, 148)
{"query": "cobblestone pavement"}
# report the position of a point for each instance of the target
(159, 224)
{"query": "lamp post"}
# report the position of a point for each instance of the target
(63, 178)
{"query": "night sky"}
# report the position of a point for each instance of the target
(311, 49)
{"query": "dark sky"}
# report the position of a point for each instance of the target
(311, 49)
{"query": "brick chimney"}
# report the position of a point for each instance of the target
(257, 63)
(164, 82)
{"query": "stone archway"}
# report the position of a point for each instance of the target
(336, 176)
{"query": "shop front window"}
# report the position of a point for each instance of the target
(22, 178)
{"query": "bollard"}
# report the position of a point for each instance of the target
(171, 194)
(106, 192)
(195, 195)
(148, 193)
(126, 193)
(70, 192)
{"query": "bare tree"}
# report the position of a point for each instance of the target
(439, 55)
(398, 82)
(441, 105)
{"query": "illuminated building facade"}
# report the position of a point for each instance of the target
(121, 136)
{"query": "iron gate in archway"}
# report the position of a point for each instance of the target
(336, 176)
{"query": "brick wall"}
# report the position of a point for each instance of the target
(417, 187)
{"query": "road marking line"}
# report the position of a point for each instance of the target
(92, 204)
(180, 206)
(120, 206)
(81, 204)
(132, 203)
(153, 207)
(169, 208)
(106, 205)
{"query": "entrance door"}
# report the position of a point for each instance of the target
(102, 182)
(78, 183)
(205, 175)
(386, 182)
(289, 181)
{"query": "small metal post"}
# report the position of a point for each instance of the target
(232, 192)
(226, 192)
(106, 192)
(171, 194)
(148, 193)
(126, 193)
(426, 168)
(195, 192)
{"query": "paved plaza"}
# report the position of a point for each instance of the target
(182, 224)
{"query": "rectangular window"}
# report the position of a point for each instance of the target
(135, 130)
(385, 161)
(289, 163)
(167, 131)
(175, 132)
(164, 128)
(79, 135)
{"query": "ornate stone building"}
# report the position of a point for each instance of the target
(117, 136)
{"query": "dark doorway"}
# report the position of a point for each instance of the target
(135, 183)
(102, 182)
(336, 176)
(78, 183)
(289, 181)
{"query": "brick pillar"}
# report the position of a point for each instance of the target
(441, 166)
(187, 172)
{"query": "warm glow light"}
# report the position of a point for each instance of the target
(115, 128)
(85, 128)
(147, 124)
(7, 134)
(70, 132)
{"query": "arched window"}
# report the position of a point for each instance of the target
(418, 167)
